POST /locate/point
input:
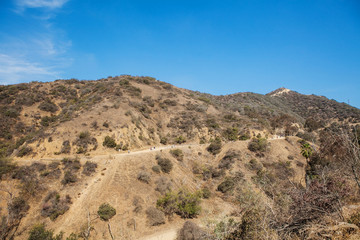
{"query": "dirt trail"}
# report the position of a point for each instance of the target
(164, 235)
(101, 186)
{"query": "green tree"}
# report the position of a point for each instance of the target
(306, 151)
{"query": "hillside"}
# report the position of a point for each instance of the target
(140, 111)
(160, 155)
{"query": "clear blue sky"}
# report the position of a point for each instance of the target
(218, 47)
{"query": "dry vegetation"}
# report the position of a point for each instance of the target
(69, 166)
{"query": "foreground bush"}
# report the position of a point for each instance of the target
(183, 203)
(258, 145)
(109, 142)
(226, 186)
(55, 206)
(165, 164)
(215, 147)
(178, 154)
(39, 232)
(89, 167)
(106, 211)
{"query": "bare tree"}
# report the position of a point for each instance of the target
(351, 158)
(342, 147)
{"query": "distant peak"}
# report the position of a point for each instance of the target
(279, 91)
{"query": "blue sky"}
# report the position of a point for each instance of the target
(218, 47)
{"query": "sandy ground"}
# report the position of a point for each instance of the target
(115, 182)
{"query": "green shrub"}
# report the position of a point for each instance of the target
(73, 236)
(258, 145)
(156, 168)
(54, 205)
(39, 232)
(215, 147)
(69, 177)
(163, 140)
(84, 135)
(206, 193)
(109, 142)
(183, 203)
(106, 211)
(89, 167)
(231, 134)
(72, 164)
(226, 186)
(178, 154)
(211, 123)
(12, 112)
(165, 164)
(180, 140)
(254, 165)
(46, 121)
(48, 106)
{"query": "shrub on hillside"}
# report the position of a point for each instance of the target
(191, 231)
(106, 211)
(72, 164)
(155, 216)
(163, 185)
(54, 205)
(215, 147)
(18, 207)
(48, 106)
(226, 186)
(254, 165)
(178, 154)
(180, 139)
(231, 134)
(183, 203)
(46, 121)
(229, 159)
(69, 177)
(165, 164)
(84, 140)
(258, 145)
(211, 123)
(66, 148)
(156, 168)
(163, 140)
(89, 167)
(206, 193)
(109, 142)
(39, 232)
(144, 176)
(137, 202)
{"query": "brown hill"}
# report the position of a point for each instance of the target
(159, 155)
